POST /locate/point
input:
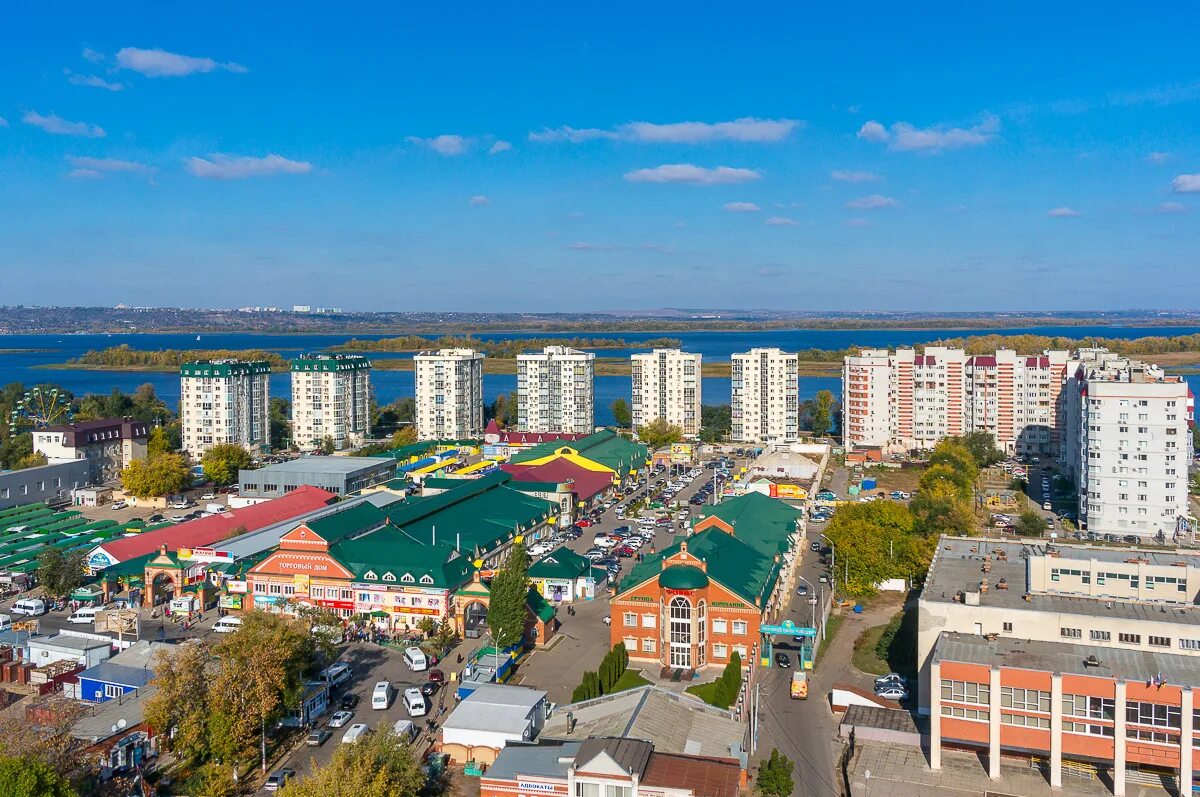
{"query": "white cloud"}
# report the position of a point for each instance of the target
(690, 173)
(1158, 157)
(443, 144)
(218, 166)
(84, 174)
(499, 146)
(479, 199)
(160, 63)
(94, 81)
(1186, 184)
(584, 246)
(742, 207)
(845, 176)
(91, 55)
(52, 123)
(1171, 208)
(781, 221)
(872, 202)
(95, 167)
(903, 137)
(749, 129)
(1063, 212)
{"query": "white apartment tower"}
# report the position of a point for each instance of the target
(224, 401)
(765, 396)
(666, 384)
(449, 388)
(904, 400)
(331, 398)
(555, 391)
(1129, 444)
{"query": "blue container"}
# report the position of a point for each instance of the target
(868, 484)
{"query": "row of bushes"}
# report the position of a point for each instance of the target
(600, 682)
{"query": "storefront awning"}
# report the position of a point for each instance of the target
(379, 613)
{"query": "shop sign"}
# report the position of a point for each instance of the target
(99, 560)
(336, 604)
(416, 610)
(235, 586)
(547, 788)
(788, 627)
(231, 602)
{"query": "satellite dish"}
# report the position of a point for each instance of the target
(114, 728)
(121, 723)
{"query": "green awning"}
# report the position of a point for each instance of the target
(380, 613)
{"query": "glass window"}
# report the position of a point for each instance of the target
(966, 692)
(719, 626)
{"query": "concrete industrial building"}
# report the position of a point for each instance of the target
(224, 401)
(449, 388)
(108, 445)
(339, 475)
(555, 391)
(1085, 657)
(667, 384)
(45, 484)
(1128, 445)
(765, 396)
(903, 400)
(331, 398)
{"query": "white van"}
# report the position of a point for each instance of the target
(405, 731)
(85, 614)
(355, 732)
(227, 625)
(5, 622)
(31, 607)
(414, 701)
(337, 674)
(415, 659)
(381, 696)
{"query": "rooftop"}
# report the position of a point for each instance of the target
(730, 561)
(123, 713)
(677, 723)
(64, 641)
(957, 566)
(495, 707)
(586, 483)
(1067, 658)
(705, 777)
(538, 760)
(344, 465)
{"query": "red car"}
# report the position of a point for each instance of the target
(437, 676)
(583, 524)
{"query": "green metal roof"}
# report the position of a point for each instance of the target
(762, 522)
(330, 362)
(225, 368)
(732, 563)
(539, 605)
(561, 563)
(389, 556)
(683, 577)
(358, 519)
(132, 567)
(605, 447)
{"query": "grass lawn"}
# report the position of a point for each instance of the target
(831, 629)
(630, 679)
(865, 657)
(704, 691)
(889, 479)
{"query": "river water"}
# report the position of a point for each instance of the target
(18, 366)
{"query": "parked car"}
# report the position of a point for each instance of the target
(120, 503)
(802, 589)
(584, 523)
(428, 688)
(890, 678)
(156, 518)
(277, 779)
(897, 693)
(436, 676)
(209, 496)
(348, 701)
(783, 660)
(340, 718)
(317, 737)
(814, 546)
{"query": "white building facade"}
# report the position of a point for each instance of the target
(331, 398)
(1130, 444)
(667, 384)
(555, 391)
(765, 394)
(224, 401)
(449, 388)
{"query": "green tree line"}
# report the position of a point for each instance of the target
(503, 349)
(124, 356)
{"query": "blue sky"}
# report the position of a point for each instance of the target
(536, 157)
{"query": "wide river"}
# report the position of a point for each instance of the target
(17, 366)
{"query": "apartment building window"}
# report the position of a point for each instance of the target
(1189, 644)
(1008, 627)
(1097, 708)
(1101, 636)
(1071, 633)
(739, 627)
(1024, 699)
(719, 651)
(720, 627)
(966, 692)
(630, 619)
(966, 713)
(1130, 639)
(1024, 720)
(1160, 641)
(648, 645)
(649, 621)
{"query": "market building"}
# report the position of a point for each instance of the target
(338, 475)
(499, 442)
(563, 576)
(604, 450)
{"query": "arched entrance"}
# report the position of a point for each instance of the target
(681, 632)
(474, 619)
(162, 589)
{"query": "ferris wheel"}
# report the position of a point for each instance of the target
(39, 408)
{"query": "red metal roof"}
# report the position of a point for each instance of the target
(533, 438)
(705, 777)
(587, 482)
(984, 360)
(214, 528)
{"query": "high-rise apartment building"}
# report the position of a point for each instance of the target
(765, 396)
(1129, 444)
(554, 391)
(904, 400)
(666, 384)
(449, 388)
(224, 401)
(331, 399)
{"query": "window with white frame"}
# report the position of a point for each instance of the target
(631, 619)
(719, 651)
(720, 626)
(649, 621)
(739, 627)
(648, 645)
